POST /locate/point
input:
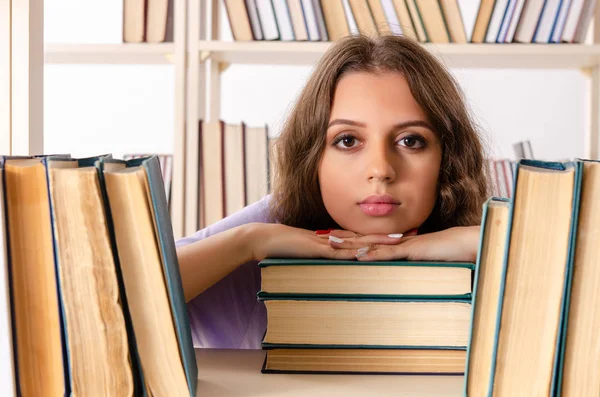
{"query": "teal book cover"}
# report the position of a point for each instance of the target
(283, 262)
(484, 215)
(556, 166)
(168, 253)
(561, 346)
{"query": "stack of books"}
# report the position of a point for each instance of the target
(148, 21)
(91, 299)
(535, 317)
(435, 21)
(327, 316)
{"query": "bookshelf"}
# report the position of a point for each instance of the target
(209, 57)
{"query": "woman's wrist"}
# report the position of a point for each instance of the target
(253, 238)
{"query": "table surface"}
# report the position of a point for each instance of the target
(227, 373)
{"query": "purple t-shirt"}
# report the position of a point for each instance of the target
(228, 314)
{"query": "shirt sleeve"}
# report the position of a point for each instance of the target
(228, 315)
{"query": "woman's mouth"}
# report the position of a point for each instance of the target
(378, 205)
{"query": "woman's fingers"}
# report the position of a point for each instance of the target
(324, 234)
(365, 241)
(382, 253)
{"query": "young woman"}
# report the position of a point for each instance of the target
(379, 159)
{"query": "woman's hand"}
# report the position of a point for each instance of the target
(457, 244)
(268, 240)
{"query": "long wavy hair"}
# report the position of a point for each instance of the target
(462, 184)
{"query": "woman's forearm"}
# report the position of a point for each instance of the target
(207, 261)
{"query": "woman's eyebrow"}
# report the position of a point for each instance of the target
(404, 124)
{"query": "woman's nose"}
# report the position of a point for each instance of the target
(380, 166)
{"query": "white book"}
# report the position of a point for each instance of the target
(7, 369)
(391, 17)
(320, 20)
(266, 14)
(311, 20)
(496, 21)
(352, 26)
(573, 15)
(284, 21)
(546, 22)
(514, 21)
(510, 10)
(252, 8)
(584, 21)
(561, 21)
(468, 12)
(529, 19)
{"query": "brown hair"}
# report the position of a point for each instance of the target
(462, 185)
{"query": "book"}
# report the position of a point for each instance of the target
(156, 20)
(319, 277)
(284, 22)
(335, 19)
(484, 14)
(578, 374)
(234, 167)
(268, 22)
(433, 20)
(99, 361)
(364, 361)
(406, 22)
(297, 17)
(379, 16)
(364, 17)
(530, 15)
(533, 286)
(496, 20)
(134, 21)
(257, 163)
(239, 20)
(40, 358)
(421, 33)
(486, 294)
(146, 251)
(353, 322)
(453, 18)
(7, 362)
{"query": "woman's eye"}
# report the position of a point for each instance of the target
(412, 142)
(346, 142)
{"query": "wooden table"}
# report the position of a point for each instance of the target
(236, 373)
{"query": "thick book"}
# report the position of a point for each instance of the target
(533, 286)
(400, 279)
(99, 362)
(361, 322)
(364, 361)
(486, 292)
(579, 367)
(150, 269)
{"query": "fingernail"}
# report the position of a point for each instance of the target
(336, 239)
(322, 232)
(363, 250)
(361, 254)
(395, 235)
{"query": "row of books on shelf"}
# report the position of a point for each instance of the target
(91, 298)
(234, 168)
(436, 21)
(149, 21)
(526, 324)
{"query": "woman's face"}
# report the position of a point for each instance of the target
(380, 166)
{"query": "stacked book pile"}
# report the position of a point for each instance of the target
(365, 317)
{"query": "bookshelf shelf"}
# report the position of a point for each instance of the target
(558, 56)
(127, 53)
